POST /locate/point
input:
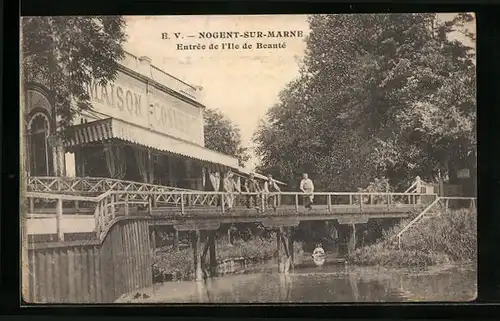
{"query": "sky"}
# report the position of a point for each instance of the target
(242, 83)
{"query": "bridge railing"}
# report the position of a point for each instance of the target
(90, 185)
(111, 204)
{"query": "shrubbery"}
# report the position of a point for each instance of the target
(449, 237)
(169, 261)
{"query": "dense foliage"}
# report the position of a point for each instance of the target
(441, 239)
(64, 53)
(223, 136)
(378, 95)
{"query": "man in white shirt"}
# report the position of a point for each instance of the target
(307, 186)
(270, 186)
(230, 188)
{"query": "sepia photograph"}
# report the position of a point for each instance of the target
(235, 159)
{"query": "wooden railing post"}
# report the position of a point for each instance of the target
(182, 203)
(105, 212)
(222, 203)
(361, 202)
(59, 216)
(446, 204)
(126, 205)
(350, 199)
(32, 205)
(112, 204)
(329, 201)
(154, 203)
(150, 205)
(297, 202)
(263, 201)
(97, 217)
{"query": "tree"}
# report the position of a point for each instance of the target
(64, 53)
(378, 95)
(223, 136)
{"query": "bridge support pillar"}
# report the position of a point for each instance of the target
(176, 240)
(284, 244)
(351, 245)
(212, 253)
(196, 244)
(346, 237)
(153, 240)
(347, 231)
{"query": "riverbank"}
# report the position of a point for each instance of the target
(439, 240)
(172, 265)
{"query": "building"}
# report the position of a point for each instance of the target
(145, 126)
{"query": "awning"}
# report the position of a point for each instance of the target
(114, 128)
(246, 172)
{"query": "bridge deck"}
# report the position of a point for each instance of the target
(61, 213)
(44, 221)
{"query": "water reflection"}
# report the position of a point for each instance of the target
(324, 284)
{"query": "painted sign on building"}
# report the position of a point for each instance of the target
(463, 173)
(132, 100)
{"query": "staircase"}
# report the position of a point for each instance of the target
(432, 211)
(424, 215)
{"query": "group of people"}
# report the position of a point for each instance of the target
(268, 191)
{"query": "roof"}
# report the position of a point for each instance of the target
(118, 129)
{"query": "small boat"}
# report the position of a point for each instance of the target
(318, 252)
(318, 256)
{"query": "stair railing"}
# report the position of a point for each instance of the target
(412, 188)
(472, 206)
(415, 220)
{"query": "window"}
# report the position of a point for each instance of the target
(40, 157)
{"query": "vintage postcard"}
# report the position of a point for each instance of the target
(220, 159)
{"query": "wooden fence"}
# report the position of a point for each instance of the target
(91, 271)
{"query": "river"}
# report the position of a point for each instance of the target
(328, 284)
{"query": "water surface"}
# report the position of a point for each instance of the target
(327, 284)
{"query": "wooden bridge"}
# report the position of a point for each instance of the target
(113, 219)
(58, 206)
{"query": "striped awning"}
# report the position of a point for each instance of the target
(112, 128)
(95, 131)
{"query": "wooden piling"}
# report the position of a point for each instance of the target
(196, 244)
(176, 240)
(278, 247)
(212, 253)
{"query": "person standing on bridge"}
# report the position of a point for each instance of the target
(230, 188)
(270, 186)
(252, 186)
(307, 186)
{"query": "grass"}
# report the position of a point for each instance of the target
(446, 238)
(181, 262)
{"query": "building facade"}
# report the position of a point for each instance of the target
(144, 126)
